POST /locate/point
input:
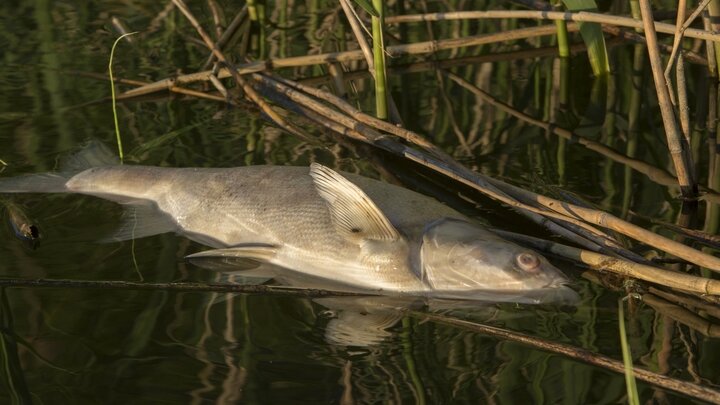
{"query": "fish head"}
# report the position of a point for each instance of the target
(462, 260)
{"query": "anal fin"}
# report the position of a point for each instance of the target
(241, 257)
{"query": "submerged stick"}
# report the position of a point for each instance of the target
(578, 354)
(178, 286)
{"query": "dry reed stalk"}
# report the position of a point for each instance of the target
(582, 355)
(682, 315)
(657, 275)
(364, 118)
(199, 94)
(690, 56)
(347, 56)
(700, 236)
(581, 16)
(678, 151)
(653, 173)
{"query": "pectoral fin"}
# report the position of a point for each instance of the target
(353, 212)
(141, 219)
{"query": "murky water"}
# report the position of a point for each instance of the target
(86, 345)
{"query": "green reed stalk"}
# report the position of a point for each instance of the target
(562, 36)
(632, 392)
(381, 108)
(112, 93)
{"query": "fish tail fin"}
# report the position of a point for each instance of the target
(34, 183)
(91, 155)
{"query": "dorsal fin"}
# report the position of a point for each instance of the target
(93, 154)
(353, 212)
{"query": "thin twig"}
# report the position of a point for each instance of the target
(176, 286)
(581, 16)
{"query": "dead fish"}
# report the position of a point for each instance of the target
(317, 225)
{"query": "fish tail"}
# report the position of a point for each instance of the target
(93, 154)
(35, 183)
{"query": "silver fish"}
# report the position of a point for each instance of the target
(320, 226)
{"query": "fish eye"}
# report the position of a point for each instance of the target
(528, 262)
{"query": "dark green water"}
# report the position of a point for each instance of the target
(123, 346)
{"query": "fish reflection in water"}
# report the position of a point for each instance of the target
(313, 224)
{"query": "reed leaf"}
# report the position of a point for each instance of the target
(365, 4)
(112, 93)
(592, 36)
(632, 392)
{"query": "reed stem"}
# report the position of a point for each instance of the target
(381, 107)
(678, 150)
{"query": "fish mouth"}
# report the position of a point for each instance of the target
(557, 292)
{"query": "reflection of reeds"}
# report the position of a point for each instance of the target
(583, 355)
